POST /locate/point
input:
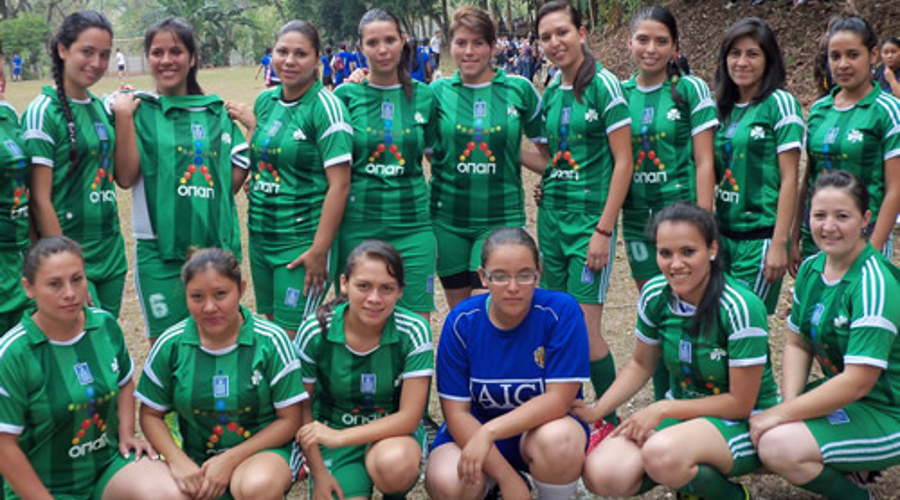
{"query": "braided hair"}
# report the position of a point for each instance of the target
(69, 31)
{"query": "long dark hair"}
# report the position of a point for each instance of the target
(589, 65)
(707, 314)
(45, 247)
(727, 92)
(381, 15)
(663, 16)
(307, 30)
(181, 29)
(412, 48)
(369, 249)
(69, 31)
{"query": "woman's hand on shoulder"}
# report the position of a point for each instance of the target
(125, 104)
(316, 433)
(241, 113)
(140, 447)
(358, 75)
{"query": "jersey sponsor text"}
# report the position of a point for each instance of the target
(477, 168)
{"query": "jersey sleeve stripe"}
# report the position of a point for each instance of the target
(127, 378)
(40, 160)
(740, 363)
(239, 158)
(3, 392)
(547, 309)
(310, 380)
(337, 127)
(539, 140)
(420, 349)
(338, 160)
(4, 104)
(292, 401)
(873, 288)
(333, 105)
(306, 334)
(277, 336)
(892, 106)
(705, 126)
(865, 360)
(37, 134)
(418, 374)
(149, 402)
(294, 365)
(34, 114)
(464, 399)
(11, 429)
(791, 326)
(707, 102)
(415, 328)
(892, 153)
(874, 322)
(612, 86)
(789, 146)
(10, 337)
(286, 358)
(570, 380)
(329, 107)
(645, 339)
(747, 334)
(615, 126)
(737, 308)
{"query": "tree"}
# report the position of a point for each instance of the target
(26, 35)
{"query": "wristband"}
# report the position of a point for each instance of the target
(603, 232)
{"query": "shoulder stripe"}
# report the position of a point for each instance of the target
(547, 309)
(332, 105)
(872, 288)
(278, 338)
(10, 337)
(456, 324)
(4, 104)
(168, 336)
(414, 325)
(651, 290)
(700, 86)
(307, 332)
(645, 339)
(537, 95)
(736, 308)
(892, 105)
(36, 112)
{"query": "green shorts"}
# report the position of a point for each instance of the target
(290, 453)
(858, 437)
(106, 266)
(563, 238)
(279, 290)
(159, 288)
(416, 245)
(639, 249)
(118, 463)
(745, 260)
(14, 299)
(348, 466)
(458, 249)
(737, 435)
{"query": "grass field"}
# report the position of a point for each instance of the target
(619, 318)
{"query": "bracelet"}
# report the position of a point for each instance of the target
(603, 232)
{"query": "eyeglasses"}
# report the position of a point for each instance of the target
(500, 278)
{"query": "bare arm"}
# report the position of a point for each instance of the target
(127, 156)
(41, 202)
(18, 472)
(795, 364)
(598, 247)
(535, 157)
(704, 164)
(799, 212)
(325, 482)
(777, 260)
(185, 472)
(633, 376)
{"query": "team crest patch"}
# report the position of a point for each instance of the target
(587, 276)
(758, 133)
(429, 286)
(256, 378)
(13, 148)
(419, 118)
(540, 357)
(115, 365)
(101, 131)
(591, 115)
(717, 354)
(841, 321)
(220, 386)
(367, 383)
(83, 373)
(816, 317)
(198, 132)
(274, 128)
(291, 297)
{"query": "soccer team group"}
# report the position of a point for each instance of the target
(236, 404)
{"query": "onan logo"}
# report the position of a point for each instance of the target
(728, 196)
(349, 419)
(385, 170)
(196, 191)
(267, 187)
(650, 177)
(105, 196)
(567, 175)
(80, 450)
(477, 168)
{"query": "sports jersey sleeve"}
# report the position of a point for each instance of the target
(646, 329)
(307, 343)
(432, 128)
(612, 101)
(117, 338)
(746, 324)
(700, 101)
(532, 125)
(335, 135)
(891, 118)
(41, 128)
(283, 370)
(567, 357)
(418, 346)
(453, 360)
(240, 149)
(14, 387)
(789, 126)
(155, 385)
(803, 274)
(873, 323)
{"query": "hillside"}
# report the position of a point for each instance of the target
(701, 24)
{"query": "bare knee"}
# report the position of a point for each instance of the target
(555, 451)
(441, 480)
(778, 448)
(393, 469)
(662, 458)
(613, 470)
(257, 486)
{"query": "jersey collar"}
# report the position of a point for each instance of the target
(818, 264)
(499, 78)
(211, 102)
(336, 330)
(310, 93)
(36, 335)
(866, 101)
(245, 336)
(51, 92)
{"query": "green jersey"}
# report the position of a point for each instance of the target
(390, 133)
(662, 131)
(187, 146)
(858, 139)
(60, 399)
(225, 396)
(14, 166)
(852, 322)
(84, 196)
(581, 163)
(293, 144)
(698, 365)
(476, 171)
(354, 388)
(746, 150)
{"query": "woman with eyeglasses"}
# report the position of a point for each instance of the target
(510, 364)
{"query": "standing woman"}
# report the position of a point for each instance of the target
(757, 158)
(888, 74)
(711, 333)
(234, 381)
(184, 159)
(66, 394)
(393, 120)
(588, 175)
(300, 156)
(71, 144)
(367, 365)
(476, 183)
(14, 237)
(855, 129)
(844, 315)
(510, 365)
